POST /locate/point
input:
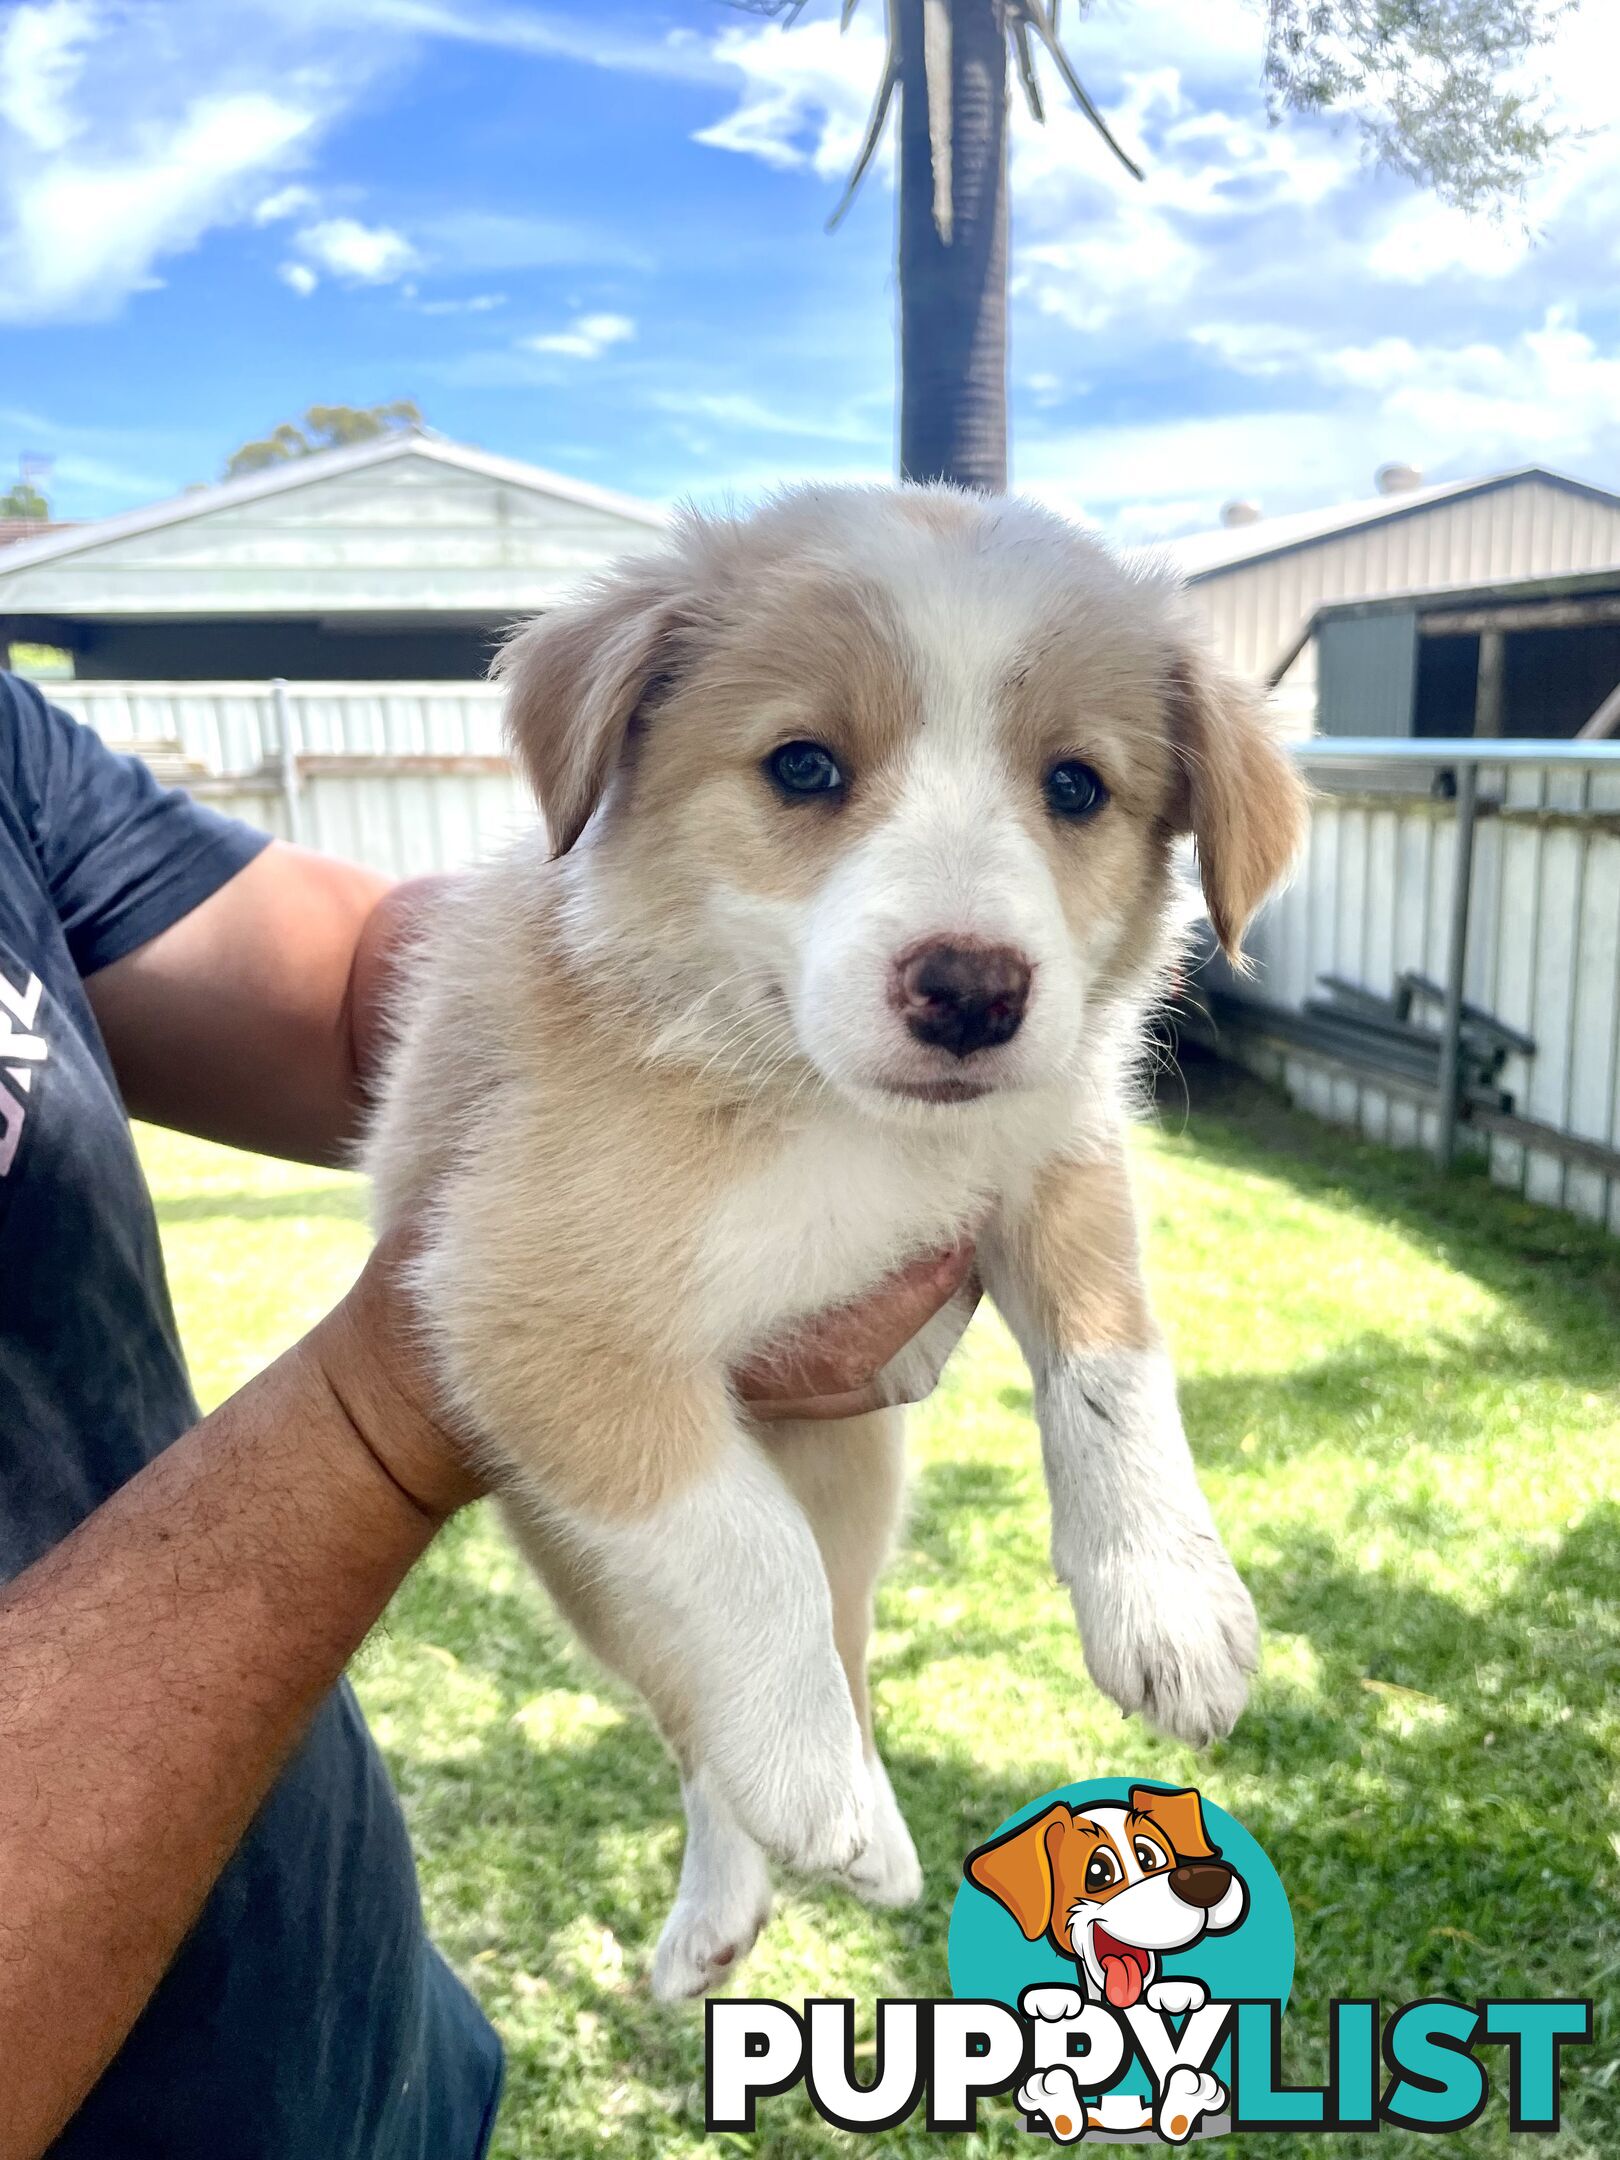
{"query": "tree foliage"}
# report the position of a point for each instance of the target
(1444, 91)
(322, 427)
(23, 500)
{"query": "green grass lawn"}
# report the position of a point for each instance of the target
(1403, 1394)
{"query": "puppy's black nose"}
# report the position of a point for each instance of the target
(1202, 1883)
(961, 997)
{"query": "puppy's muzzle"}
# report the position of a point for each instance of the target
(1201, 1883)
(961, 997)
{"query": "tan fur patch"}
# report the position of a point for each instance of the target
(816, 659)
(1077, 1252)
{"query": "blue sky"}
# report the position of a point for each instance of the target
(591, 236)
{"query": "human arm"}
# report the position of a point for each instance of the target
(256, 1018)
(158, 1667)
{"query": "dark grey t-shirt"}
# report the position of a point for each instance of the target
(307, 2017)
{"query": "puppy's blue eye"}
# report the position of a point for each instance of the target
(1074, 790)
(804, 768)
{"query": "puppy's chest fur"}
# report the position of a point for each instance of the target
(842, 1200)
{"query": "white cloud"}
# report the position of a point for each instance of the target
(94, 468)
(129, 132)
(1424, 239)
(79, 234)
(1256, 348)
(586, 338)
(42, 53)
(287, 202)
(1092, 243)
(1549, 395)
(805, 95)
(299, 276)
(358, 254)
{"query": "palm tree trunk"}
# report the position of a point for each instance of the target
(953, 289)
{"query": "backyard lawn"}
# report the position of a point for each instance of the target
(1404, 1397)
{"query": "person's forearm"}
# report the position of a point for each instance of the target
(156, 1670)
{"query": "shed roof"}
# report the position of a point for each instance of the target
(407, 523)
(1207, 555)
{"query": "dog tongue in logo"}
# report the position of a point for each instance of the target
(1123, 1970)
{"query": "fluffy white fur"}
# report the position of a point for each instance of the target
(1167, 1625)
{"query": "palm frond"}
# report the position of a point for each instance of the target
(1024, 54)
(875, 125)
(1035, 14)
(937, 82)
(1026, 20)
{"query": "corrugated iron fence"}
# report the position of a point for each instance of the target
(1445, 968)
(403, 776)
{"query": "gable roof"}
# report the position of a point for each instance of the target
(1208, 554)
(295, 473)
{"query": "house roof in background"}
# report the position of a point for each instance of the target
(294, 473)
(1208, 554)
(407, 526)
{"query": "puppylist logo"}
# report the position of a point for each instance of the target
(1120, 1957)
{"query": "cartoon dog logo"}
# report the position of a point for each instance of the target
(1116, 1889)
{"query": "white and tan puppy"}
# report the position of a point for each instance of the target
(861, 817)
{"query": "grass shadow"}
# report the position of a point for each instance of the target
(1537, 1258)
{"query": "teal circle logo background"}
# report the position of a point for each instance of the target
(988, 1956)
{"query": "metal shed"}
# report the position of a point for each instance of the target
(1260, 583)
(1538, 658)
(400, 558)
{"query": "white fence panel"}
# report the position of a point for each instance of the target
(1372, 901)
(405, 777)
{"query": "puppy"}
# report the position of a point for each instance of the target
(856, 880)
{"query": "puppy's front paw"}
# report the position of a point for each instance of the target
(1171, 1634)
(1054, 2096)
(1176, 1997)
(888, 1873)
(1052, 2005)
(810, 1808)
(1189, 2095)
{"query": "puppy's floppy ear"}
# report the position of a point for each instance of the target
(1019, 1869)
(575, 679)
(1180, 1815)
(1236, 791)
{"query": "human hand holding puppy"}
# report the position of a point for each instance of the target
(836, 1366)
